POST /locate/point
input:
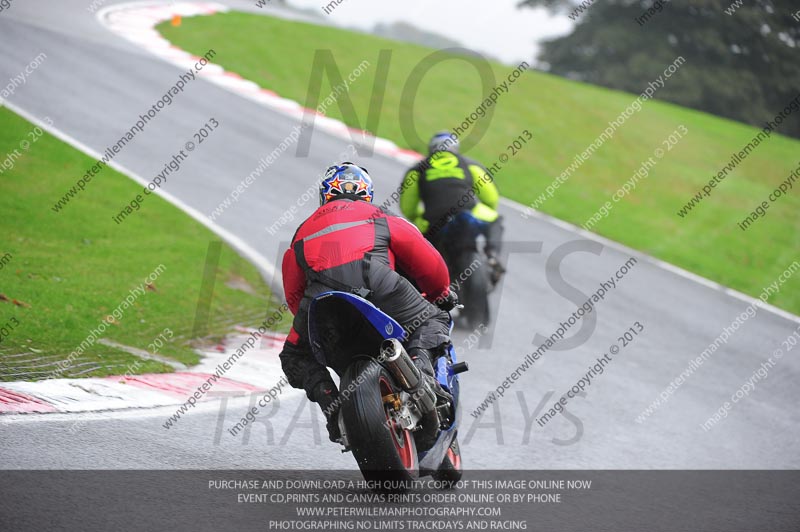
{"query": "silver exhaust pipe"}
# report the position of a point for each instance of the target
(409, 377)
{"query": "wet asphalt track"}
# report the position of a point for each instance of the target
(94, 84)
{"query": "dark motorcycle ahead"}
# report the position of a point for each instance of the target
(457, 241)
(386, 403)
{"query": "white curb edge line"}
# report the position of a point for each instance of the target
(677, 270)
(243, 247)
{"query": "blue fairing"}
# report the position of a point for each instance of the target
(385, 325)
(464, 223)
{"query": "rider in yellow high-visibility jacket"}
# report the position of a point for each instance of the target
(446, 183)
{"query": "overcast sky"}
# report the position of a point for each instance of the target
(502, 30)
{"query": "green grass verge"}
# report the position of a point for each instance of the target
(70, 270)
(565, 117)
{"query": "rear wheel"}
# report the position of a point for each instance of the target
(450, 471)
(474, 289)
(383, 450)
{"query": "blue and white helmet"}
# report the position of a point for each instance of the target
(346, 178)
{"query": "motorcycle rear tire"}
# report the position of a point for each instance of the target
(450, 472)
(382, 450)
(474, 291)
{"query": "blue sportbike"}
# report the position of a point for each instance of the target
(386, 403)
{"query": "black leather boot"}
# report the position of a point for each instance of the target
(431, 421)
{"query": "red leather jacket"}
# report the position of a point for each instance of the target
(341, 232)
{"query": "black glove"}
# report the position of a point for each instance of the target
(327, 397)
(448, 302)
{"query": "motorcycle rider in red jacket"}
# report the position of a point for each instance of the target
(348, 244)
